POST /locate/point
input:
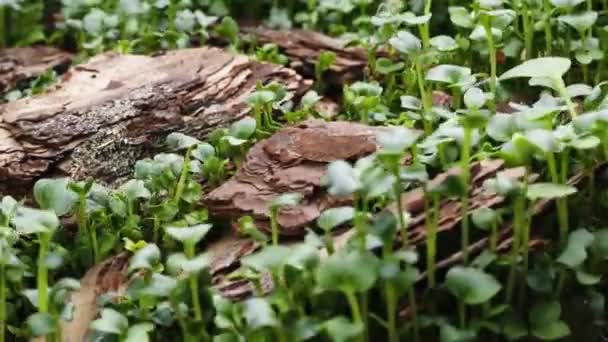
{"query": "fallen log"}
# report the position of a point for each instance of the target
(116, 109)
(21, 64)
(303, 48)
(293, 160)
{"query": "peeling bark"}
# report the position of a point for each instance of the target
(116, 109)
(293, 160)
(303, 48)
(20, 64)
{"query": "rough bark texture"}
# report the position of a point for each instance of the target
(19, 64)
(293, 160)
(303, 48)
(116, 109)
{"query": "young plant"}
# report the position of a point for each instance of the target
(284, 200)
(189, 237)
(395, 144)
(324, 63)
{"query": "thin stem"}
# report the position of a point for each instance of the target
(528, 32)
(42, 277)
(431, 239)
(3, 32)
(414, 307)
(193, 281)
(561, 203)
(466, 175)
(2, 303)
(487, 23)
(426, 100)
(548, 28)
(518, 222)
(462, 314)
(274, 225)
(425, 32)
(563, 93)
(354, 308)
(398, 189)
(181, 184)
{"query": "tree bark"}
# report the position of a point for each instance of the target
(115, 109)
(303, 48)
(21, 64)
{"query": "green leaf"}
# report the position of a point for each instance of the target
(111, 322)
(334, 217)
(549, 191)
(310, 99)
(581, 21)
(191, 235)
(501, 127)
(552, 331)
(406, 43)
(259, 314)
(54, 194)
(341, 329)
(326, 59)
(576, 249)
(341, 179)
(471, 285)
(569, 4)
(229, 29)
(449, 333)
(179, 141)
(550, 67)
(444, 43)
(33, 221)
(474, 98)
(139, 332)
(268, 258)
(545, 322)
(386, 66)
(450, 74)
(145, 258)
(261, 97)
(348, 271)
(179, 263)
(243, 129)
(41, 324)
(461, 16)
(286, 200)
(396, 139)
(485, 218)
(203, 151)
(410, 102)
(134, 189)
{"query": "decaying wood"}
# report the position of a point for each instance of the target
(116, 109)
(303, 48)
(19, 64)
(292, 160)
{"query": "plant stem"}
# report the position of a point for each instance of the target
(42, 277)
(181, 184)
(274, 225)
(414, 307)
(548, 29)
(518, 221)
(426, 101)
(563, 93)
(3, 33)
(391, 311)
(466, 175)
(354, 308)
(425, 32)
(431, 239)
(398, 189)
(561, 203)
(2, 303)
(528, 32)
(462, 314)
(487, 23)
(193, 280)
